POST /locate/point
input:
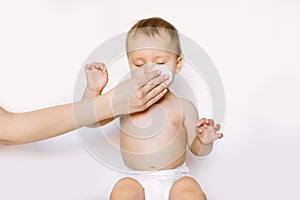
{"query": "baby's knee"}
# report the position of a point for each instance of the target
(185, 182)
(186, 187)
(128, 182)
(129, 187)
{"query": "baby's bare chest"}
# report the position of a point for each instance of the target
(161, 122)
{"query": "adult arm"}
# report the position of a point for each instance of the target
(132, 95)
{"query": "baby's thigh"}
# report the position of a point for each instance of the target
(186, 188)
(127, 188)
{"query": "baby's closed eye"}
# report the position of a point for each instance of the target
(138, 65)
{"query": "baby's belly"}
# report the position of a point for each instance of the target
(166, 150)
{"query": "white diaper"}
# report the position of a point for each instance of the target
(157, 184)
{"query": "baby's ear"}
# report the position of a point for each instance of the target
(178, 64)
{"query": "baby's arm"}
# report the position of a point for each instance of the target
(200, 139)
(97, 78)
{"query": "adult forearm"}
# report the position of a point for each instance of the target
(19, 128)
(40, 124)
(88, 94)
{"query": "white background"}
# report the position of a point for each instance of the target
(254, 44)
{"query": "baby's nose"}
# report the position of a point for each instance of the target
(149, 67)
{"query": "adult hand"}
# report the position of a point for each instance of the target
(137, 94)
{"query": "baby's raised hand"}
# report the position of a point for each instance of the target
(96, 76)
(206, 131)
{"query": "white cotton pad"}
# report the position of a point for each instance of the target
(164, 70)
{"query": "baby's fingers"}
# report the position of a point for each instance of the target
(217, 127)
(97, 66)
(202, 129)
(101, 66)
(202, 121)
(87, 67)
(199, 130)
(219, 135)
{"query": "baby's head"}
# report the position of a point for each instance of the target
(151, 42)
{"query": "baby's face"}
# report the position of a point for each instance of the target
(142, 61)
(145, 53)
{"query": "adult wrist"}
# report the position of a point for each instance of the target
(103, 106)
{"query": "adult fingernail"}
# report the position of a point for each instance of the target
(165, 90)
(168, 82)
(166, 76)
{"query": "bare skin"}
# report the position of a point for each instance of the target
(20, 128)
(127, 188)
(186, 188)
(156, 138)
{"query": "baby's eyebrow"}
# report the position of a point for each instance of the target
(161, 56)
(157, 56)
(136, 59)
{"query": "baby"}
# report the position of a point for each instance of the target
(153, 142)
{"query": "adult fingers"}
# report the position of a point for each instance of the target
(158, 94)
(148, 77)
(154, 83)
(155, 91)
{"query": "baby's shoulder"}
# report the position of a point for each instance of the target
(187, 105)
